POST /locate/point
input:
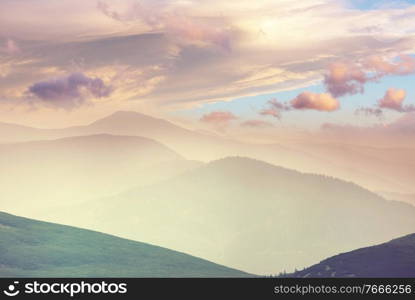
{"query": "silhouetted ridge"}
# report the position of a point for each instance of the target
(392, 259)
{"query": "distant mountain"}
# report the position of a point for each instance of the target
(17, 133)
(131, 124)
(36, 176)
(119, 123)
(122, 122)
(390, 169)
(191, 144)
(251, 215)
(393, 259)
(30, 248)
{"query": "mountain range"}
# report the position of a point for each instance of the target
(250, 215)
(147, 179)
(376, 168)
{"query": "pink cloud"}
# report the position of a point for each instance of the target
(393, 99)
(193, 30)
(405, 65)
(345, 78)
(174, 23)
(271, 112)
(320, 102)
(275, 108)
(219, 117)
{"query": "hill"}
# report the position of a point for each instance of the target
(128, 123)
(251, 215)
(69, 170)
(30, 248)
(389, 260)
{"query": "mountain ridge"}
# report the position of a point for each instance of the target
(257, 212)
(393, 259)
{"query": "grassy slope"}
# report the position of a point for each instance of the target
(40, 249)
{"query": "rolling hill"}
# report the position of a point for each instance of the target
(394, 259)
(70, 170)
(251, 215)
(30, 248)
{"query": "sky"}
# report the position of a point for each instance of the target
(214, 65)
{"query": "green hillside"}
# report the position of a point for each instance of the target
(30, 248)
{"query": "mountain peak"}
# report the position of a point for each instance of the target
(128, 115)
(131, 118)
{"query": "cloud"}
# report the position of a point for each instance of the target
(320, 102)
(107, 11)
(10, 47)
(256, 124)
(344, 78)
(160, 16)
(70, 91)
(275, 108)
(393, 99)
(369, 111)
(305, 100)
(404, 65)
(271, 46)
(219, 118)
(271, 112)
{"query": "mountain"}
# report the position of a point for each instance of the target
(195, 145)
(376, 168)
(251, 215)
(393, 259)
(69, 170)
(30, 248)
